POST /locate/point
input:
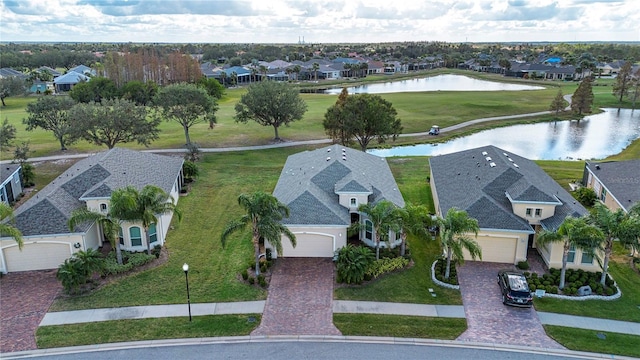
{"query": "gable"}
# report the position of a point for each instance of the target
(307, 209)
(85, 181)
(327, 178)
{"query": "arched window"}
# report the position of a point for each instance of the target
(153, 236)
(354, 202)
(120, 236)
(135, 235)
(368, 230)
(103, 208)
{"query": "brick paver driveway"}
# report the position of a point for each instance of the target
(488, 320)
(25, 299)
(300, 300)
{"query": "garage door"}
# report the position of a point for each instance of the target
(309, 245)
(38, 256)
(497, 249)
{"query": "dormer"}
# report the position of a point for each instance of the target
(530, 203)
(352, 193)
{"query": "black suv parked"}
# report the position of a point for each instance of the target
(515, 290)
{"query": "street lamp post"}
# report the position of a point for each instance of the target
(185, 267)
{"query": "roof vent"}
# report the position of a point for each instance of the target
(488, 158)
(598, 167)
(492, 164)
(344, 158)
(510, 159)
(329, 150)
(328, 158)
(505, 154)
(516, 165)
(484, 153)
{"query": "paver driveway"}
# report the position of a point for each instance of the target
(300, 300)
(488, 320)
(26, 297)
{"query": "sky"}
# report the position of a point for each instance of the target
(319, 21)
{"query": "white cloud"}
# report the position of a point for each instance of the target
(258, 21)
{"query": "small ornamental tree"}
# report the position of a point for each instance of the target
(558, 104)
(582, 98)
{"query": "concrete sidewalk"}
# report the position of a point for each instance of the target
(339, 306)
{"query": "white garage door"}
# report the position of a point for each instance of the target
(40, 256)
(309, 245)
(497, 249)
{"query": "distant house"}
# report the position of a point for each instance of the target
(42, 219)
(11, 186)
(66, 82)
(9, 72)
(83, 69)
(512, 198)
(616, 183)
(323, 189)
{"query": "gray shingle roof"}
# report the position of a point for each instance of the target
(7, 171)
(621, 178)
(467, 181)
(47, 212)
(309, 181)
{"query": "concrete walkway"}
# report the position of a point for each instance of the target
(339, 306)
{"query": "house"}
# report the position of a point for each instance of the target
(616, 183)
(66, 82)
(11, 186)
(42, 219)
(9, 72)
(323, 189)
(83, 69)
(512, 199)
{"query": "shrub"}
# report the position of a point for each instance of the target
(523, 265)
(353, 263)
(527, 274)
(139, 259)
(190, 170)
(586, 196)
(269, 255)
(546, 283)
(609, 291)
(251, 280)
(554, 290)
(263, 267)
(156, 251)
(386, 265)
(532, 287)
(245, 274)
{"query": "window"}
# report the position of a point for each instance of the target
(368, 230)
(603, 195)
(103, 208)
(354, 202)
(153, 236)
(120, 236)
(572, 254)
(586, 259)
(135, 235)
(529, 210)
(538, 212)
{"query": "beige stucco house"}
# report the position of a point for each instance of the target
(616, 183)
(42, 219)
(323, 189)
(512, 198)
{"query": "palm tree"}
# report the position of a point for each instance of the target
(223, 77)
(6, 229)
(573, 232)
(384, 216)
(453, 228)
(415, 221)
(109, 224)
(143, 206)
(315, 67)
(264, 213)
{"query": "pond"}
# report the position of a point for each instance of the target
(434, 83)
(594, 137)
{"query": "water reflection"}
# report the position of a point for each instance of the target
(594, 137)
(434, 83)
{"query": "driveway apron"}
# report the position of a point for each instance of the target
(300, 300)
(488, 320)
(25, 299)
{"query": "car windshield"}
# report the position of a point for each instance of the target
(518, 284)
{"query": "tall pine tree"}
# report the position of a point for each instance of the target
(582, 98)
(558, 103)
(623, 81)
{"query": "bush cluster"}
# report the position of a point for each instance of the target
(441, 268)
(130, 260)
(260, 279)
(356, 264)
(574, 279)
(385, 265)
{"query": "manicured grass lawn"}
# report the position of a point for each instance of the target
(399, 326)
(587, 340)
(145, 329)
(563, 172)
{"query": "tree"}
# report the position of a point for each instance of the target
(315, 67)
(453, 229)
(353, 263)
(558, 103)
(139, 92)
(365, 117)
(7, 135)
(270, 103)
(634, 89)
(504, 64)
(335, 120)
(614, 225)
(212, 86)
(623, 82)
(109, 224)
(582, 98)
(94, 90)
(415, 220)
(586, 61)
(385, 217)
(11, 86)
(51, 113)
(263, 212)
(142, 206)
(6, 228)
(186, 104)
(112, 122)
(573, 232)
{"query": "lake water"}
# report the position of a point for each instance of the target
(434, 83)
(594, 137)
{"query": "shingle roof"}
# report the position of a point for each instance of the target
(71, 77)
(95, 177)
(309, 181)
(7, 171)
(467, 180)
(621, 178)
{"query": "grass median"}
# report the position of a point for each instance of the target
(595, 341)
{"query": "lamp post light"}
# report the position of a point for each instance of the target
(185, 267)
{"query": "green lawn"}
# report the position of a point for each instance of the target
(588, 340)
(399, 326)
(145, 329)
